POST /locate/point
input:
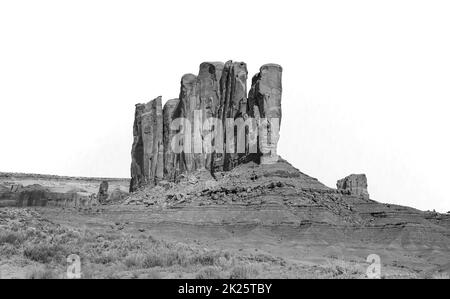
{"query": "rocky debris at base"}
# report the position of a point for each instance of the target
(166, 193)
(278, 188)
(247, 185)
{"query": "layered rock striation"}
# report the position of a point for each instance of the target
(214, 124)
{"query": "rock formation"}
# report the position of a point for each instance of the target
(103, 192)
(147, 151)
(22, 189)
(265, 98)
(233, 87)
(137, 151)
(211, 126)
(33, 195)
(354, 184)
(170, 164)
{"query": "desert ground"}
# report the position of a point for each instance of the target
(252, 222)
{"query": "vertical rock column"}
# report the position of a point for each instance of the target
(137, 151)
(170, 163)
(147, 151)
(265, 102)
(152, 129)
(209, 91)
(233, 90)
(191, 157)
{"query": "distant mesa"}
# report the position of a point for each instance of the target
(30, 190)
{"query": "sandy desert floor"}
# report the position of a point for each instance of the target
(125, 242)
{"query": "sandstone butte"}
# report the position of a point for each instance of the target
(219, 91)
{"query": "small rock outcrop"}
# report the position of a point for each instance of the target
(354, 184)
(214, 124)
(33, 195)
(102, 195)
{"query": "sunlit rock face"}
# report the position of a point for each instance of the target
(207, 127)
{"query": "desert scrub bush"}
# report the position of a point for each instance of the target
(440, 275)
(265, 258)
(209, 258)
(164, 259)
(152, 260)
(171, 256)
(126, 245)
(45, 253)
(87, 273)
(10, 237)
(209, 273)
(152, 274)
(243, 272)
(41, 273)
(111, 275)
(342, 269)
(104, 258)
(135, 260)
(7, 250)
(178, 257)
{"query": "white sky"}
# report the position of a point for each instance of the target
(366, 83)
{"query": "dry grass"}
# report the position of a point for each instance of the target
(440, 275)
(45, 253)
(115, 255)
(106, 255)
(340, 269)
(36, 241)
(42, 273)
(244, 272)
(11, 237)
(209, 273)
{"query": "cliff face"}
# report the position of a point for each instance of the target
(214, 124)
